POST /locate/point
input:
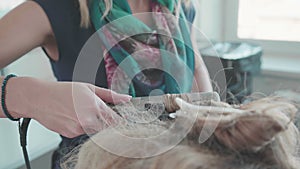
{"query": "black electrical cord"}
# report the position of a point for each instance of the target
(23, 128)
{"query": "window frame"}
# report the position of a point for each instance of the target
(276, 48)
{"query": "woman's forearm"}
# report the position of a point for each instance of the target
(202, 81)
(2, 115)
(14, 97)
(19, 32)
(68, 108)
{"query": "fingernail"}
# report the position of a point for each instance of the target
(127, 97)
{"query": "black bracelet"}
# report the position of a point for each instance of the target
(3, 94)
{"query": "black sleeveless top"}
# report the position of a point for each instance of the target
(64, 17)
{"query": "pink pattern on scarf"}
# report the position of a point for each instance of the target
(145, 55)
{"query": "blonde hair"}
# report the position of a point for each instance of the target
(85, 15)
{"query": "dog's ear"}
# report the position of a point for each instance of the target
(267, 133)
(249, 133)
(249, 128)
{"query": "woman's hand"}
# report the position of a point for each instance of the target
(68, 108)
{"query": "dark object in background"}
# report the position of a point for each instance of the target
(240, 62)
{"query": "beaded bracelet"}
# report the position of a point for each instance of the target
(3, 94)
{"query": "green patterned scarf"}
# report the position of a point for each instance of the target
(176, 42)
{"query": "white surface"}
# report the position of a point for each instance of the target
(269, 20)
(283, 66)
(40, 139)
(34, 64)
(229, 30)
(209, 18)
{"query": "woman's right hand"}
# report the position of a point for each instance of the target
(68, 108)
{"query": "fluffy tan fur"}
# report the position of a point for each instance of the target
(258, 135)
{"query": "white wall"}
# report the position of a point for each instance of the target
(209, 18)
(40, 140)
(34, 64)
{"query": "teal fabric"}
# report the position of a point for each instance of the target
(182, 41)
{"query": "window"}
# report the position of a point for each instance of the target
(273, 24)
(6, 5)
(269, 20)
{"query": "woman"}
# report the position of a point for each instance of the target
(62, 28)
